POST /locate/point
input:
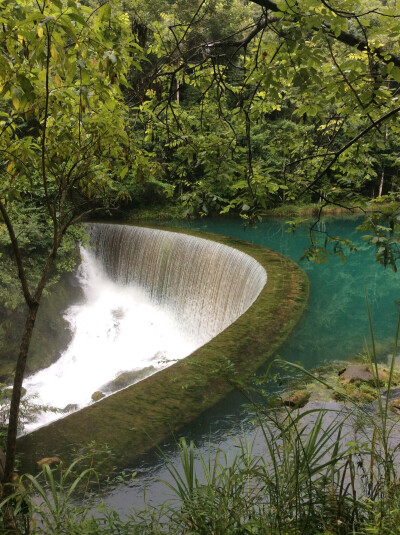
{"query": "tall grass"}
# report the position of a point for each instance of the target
(317, 474)
(308, 471)
(294, 486)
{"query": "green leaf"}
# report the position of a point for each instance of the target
(77, 17)
(105, 11)
(395, 73)
(124, 172)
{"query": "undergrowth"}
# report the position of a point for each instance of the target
(309, 471)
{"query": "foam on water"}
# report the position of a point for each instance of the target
(117, 328)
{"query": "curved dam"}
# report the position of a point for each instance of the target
(206, 285)
(219, 292)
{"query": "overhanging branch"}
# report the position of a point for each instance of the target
(345, 147)
(346, 38)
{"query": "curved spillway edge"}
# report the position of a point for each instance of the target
(137, 418)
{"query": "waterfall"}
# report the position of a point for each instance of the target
(205, 284)
(151, 297)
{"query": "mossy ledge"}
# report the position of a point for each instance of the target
(137, 418)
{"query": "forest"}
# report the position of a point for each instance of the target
(130, 109)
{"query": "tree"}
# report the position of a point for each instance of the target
(299, 102)
(296, 105)
(63, 138)
(303, 61)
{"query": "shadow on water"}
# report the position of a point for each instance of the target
(333, 327)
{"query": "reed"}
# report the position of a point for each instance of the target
(309, 471)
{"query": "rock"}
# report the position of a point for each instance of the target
(394, 405)
(297, 399)
(96, 396)
(394, 393)
(361, 396)
(360, 373)
(49, 460)
(127, 378)
(70, 407)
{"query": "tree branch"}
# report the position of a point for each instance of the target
(239, 43)
(17, 255)
(338, 153)
(346, 38)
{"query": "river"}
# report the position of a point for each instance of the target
(334, 327)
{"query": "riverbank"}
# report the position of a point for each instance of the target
(164, 213)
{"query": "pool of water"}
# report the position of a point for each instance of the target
(334, 326)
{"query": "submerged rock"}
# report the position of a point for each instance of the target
(127, 378)
(297, 399)
(360, 373)
(70, 407)
(96, 396)
(49, 461)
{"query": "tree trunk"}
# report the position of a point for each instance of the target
(381, 183)
(11, 448)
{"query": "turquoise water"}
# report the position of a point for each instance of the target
(335, 323)
(334, 326)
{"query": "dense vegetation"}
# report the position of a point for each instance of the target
(317, 471)
(220, 105)
(290, 103)
(248, 119)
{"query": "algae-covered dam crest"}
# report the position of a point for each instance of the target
(238, 299)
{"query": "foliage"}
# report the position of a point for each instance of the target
(281, 103)
(62, 119)
(62, 126)
(29, 410)
(310, 476)
(382, 228)
(63, 143)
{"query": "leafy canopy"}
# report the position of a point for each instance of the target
(62, 117)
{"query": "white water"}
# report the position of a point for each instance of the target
(206, 284)
(151, 297)
(117, 328)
